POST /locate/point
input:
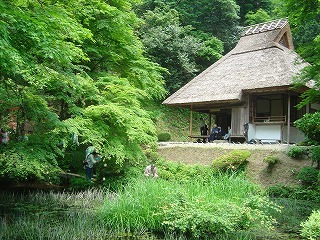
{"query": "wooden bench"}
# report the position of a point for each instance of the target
(204, 138)
(237, 138)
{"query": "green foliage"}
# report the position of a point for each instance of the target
(29, 162)
(253, 6)
(298, 193)
(81, 69)
(257, 17)
(173, 171)
(217, 18)
(293, 212)
(193, 209)
(271, 160)
(296, 152)
(164, 137)
(311, 227)
(174, 46)
(308, 176)
(304, 21)
(315, 155)
(234, 160)
(198, 220)
(79, 184)
(278, 191)
(309, 125)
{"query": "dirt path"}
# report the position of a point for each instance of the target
(284, 173)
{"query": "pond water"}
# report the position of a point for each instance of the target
(55, 215)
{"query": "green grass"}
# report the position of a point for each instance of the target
(228, 203)
(293, 212)
(201, 206)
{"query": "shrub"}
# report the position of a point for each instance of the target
(173, 171)
(198, 220)
(299, 193)
(311, 227)
(271, 160)
(315, 155)
(309, 125)
(308, 176)
(234, 160)
(164, 137)
(280, 191)
(77, 184)
(296, 152)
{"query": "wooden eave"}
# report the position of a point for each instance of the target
(277, 89)
(206, 107)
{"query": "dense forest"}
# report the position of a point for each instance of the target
(81, 73)
(98, 69)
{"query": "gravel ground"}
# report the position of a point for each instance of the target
(225, 145)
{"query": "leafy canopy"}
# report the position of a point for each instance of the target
(74, 67)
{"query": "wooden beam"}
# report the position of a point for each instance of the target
(191, 117)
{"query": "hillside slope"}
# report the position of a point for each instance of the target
(284, 173)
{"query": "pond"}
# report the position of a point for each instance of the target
(64, 215)
(56, 215)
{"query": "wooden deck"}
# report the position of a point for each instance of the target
(204, 138)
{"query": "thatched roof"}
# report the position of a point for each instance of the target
(263, 59)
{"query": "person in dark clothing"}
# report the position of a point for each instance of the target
(215, 133)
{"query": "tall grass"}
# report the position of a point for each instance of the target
(227, 203)
(53, 215)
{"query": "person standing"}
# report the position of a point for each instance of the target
(203, 127)
(90, 160)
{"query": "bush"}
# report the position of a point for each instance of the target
(234, 160)
(308, 176)
(278, 191)
(309, 125)
(192, 210)
(208, 220)
(271, 160)
(164, 137)
(315, 155)
(78, 184)
(299, 193)
(173, 171)
(311, 227)
(296, 152)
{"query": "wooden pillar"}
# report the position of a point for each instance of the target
(190, 129)
(288, 119)
(308, 108)
(209, 124)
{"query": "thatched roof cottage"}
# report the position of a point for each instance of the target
(251, 86)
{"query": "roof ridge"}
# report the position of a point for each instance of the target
(265, 26)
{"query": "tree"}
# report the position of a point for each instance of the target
(253, 6)
(304, 18)
(73, 67)
(177, 48)
(257, 17)
(219, 18)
